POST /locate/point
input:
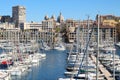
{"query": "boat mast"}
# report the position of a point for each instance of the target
(113, 64)
(97, 55)
(77, 36)
(86, 74)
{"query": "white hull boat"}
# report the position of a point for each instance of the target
(59, 47)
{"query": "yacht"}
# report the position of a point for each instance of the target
(4, 75)
(118, 44)
(45, 46)
(60, 47)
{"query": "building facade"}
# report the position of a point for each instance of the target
(60, 18)
(4, 19)
(106, 33)
(18, 15)
(108, 20)
(48, 31)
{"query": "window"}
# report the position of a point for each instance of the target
(111, 32)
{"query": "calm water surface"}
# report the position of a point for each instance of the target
(51, 68)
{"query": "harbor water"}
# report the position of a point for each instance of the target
(118, 50)
(50, 68)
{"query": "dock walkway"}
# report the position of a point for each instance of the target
(104, 71)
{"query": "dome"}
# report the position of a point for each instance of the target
(60, 18)
(46, 17)
(53, 17)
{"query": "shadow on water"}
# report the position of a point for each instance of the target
(117, 50)
(51, 68)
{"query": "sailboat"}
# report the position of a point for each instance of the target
(80, 67)
(59, 45)
(4, 75)
(44, 46)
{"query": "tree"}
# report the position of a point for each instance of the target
(57, 29)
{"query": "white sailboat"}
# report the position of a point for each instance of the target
(44, 46)
(4, 75)
(59, 45)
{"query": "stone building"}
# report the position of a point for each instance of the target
(18, 15)
(48, 30)
(60, 18)
(70, 28)
(108, 20)
(106, 33)
(5, 18)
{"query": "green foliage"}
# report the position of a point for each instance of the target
(57, 29)
(63, 30)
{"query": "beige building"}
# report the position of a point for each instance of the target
(10, 34)
(71, 25)
(106, 33)
(108, 20)
(48, 31)
(18, 15)
(7, 25)
(48, 25)
(32, 25)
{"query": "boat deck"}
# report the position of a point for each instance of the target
(104, 71)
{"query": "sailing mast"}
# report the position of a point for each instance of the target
(77, 36)
(97, 57)
(86, 74)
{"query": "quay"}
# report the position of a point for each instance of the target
(104, 71)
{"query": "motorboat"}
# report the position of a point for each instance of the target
(45, 46)
(4, 75)
(60, 47)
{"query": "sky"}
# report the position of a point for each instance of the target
(75, 9)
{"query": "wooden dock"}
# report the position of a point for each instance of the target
(104, 71)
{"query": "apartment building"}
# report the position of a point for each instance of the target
(48, 30)
(108, 20)
(105, 33)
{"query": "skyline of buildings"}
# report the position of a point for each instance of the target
(78, 9)
(19, 17)
(88, 36)
(65, 17)
(49, 28)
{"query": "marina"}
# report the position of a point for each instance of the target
(58, 48)
(39, 59)
(105, 72)
(52, 66)
(60, 65)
